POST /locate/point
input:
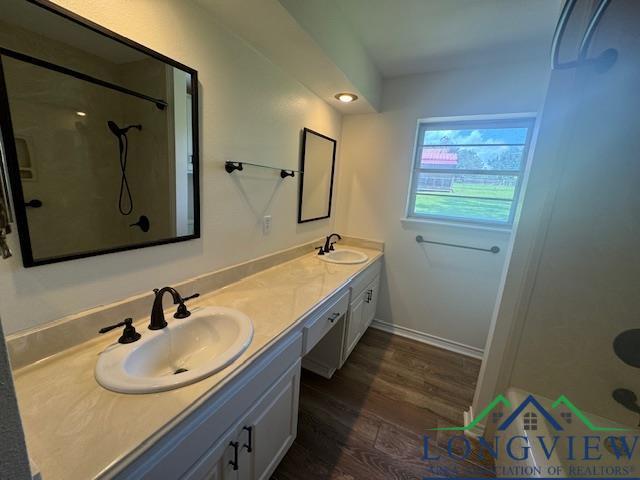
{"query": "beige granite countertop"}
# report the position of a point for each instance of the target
(76, 429)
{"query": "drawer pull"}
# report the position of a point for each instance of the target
(334, 317)
(234, 462)
(369, 296)
(248, 446)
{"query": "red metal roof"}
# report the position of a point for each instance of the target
(438, 156)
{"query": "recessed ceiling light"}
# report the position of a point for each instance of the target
(346, 97)
(81, 114)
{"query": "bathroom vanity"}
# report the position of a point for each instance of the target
(235, 424)
(177, 400)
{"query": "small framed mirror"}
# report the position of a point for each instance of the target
(317, 163)
(100, 136)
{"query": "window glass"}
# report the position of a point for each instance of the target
(469, 171)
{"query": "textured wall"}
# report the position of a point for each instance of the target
(249, 110)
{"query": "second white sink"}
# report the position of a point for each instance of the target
(345, 256)
(182, 353)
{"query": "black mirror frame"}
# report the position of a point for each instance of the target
(8, 141)
(305, 132)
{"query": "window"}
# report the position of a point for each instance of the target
(469, 171)
(567, 417)
(530, 421)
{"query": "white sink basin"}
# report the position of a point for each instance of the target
(345, 256)
(184, 352)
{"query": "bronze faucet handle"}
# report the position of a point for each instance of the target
(182, 311)
(129, 334)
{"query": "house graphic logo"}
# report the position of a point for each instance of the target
(563, 449)
(530, 417)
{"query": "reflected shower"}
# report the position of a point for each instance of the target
(123, 146)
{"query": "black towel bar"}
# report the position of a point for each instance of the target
(494, 249)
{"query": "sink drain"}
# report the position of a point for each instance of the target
(180, 370)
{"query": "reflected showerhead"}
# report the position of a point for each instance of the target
(117, 131)
(114, 128)
(123, 147)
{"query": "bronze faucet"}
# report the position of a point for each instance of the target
(158, 321)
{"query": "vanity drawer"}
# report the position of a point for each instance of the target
(365, 278)
(322, 322)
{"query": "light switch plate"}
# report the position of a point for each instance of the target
(266, 224)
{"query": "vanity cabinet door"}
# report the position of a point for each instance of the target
(273, 427)
(371, 302)
(355, 323)
(261, 438)
(217, 464)
(224, 469)
(362, 311)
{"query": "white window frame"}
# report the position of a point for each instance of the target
(468, 122)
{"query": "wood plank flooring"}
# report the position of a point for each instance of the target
(368, 421)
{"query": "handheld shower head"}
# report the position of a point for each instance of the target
(114, 128)
(117, 131)
(123, 147)
(137, 127)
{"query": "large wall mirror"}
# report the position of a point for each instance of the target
(100, 136)
(318, 160)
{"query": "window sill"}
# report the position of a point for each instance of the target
(422, 223)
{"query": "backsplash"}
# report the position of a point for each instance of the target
(35, 344)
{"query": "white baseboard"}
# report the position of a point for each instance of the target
(451, 345)
(476, 431)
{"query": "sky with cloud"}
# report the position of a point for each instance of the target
(487, 144)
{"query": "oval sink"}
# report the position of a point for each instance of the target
(182, 353)
(344, 255)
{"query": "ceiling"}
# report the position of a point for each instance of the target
(273, 31)
(415, 36)
(351, 45)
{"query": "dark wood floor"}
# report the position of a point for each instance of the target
(368, 421)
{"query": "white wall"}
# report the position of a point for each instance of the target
(438, 291)
(250, 110)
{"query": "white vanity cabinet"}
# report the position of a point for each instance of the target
(244, 429)
(327, 346)
(327, 318)
(371, 302)
(362, 309)
(273, 425)
(219, 461)
(256, 414)
(324, 335)
(355, 326)
(254, 446)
